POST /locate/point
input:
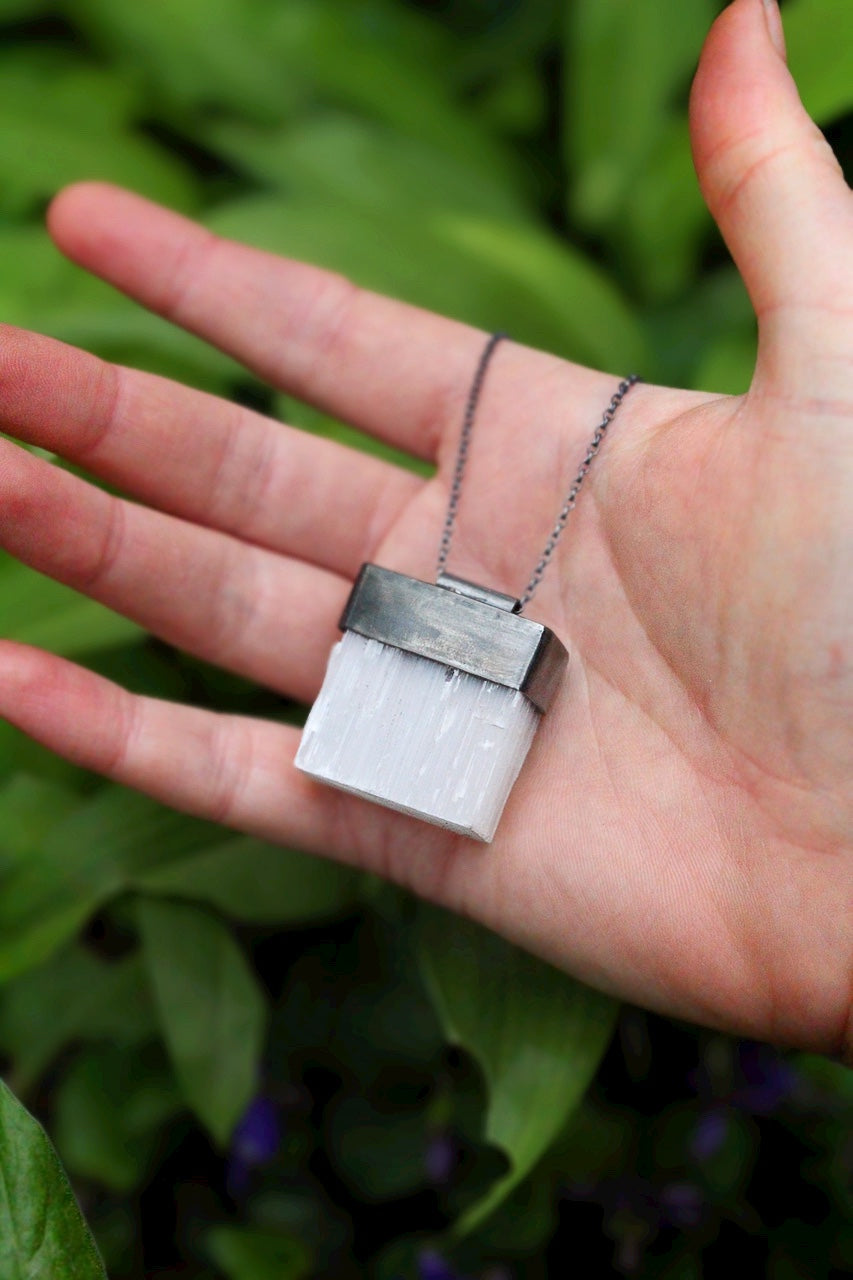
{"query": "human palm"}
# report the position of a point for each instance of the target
(681, 831)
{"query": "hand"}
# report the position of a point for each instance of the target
(681, 832)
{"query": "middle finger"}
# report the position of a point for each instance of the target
(200, 457)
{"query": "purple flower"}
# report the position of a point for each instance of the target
(682, 1205)
(257, 1137)
(431, 1266)
(710, 1133)
(440, 1158)
(256, 1142)
(767, 1080)
(637, 1209)
(752, 1076)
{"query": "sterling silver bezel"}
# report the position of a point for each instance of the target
(461, 625)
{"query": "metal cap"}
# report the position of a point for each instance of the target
(461, 625)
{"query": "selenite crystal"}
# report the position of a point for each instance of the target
(417, 736)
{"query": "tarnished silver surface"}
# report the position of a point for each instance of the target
(459, 630)
(486, 594)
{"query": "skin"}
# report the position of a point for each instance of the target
(682, 832)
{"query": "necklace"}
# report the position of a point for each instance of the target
(433, 696)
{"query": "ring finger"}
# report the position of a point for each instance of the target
(265, 616)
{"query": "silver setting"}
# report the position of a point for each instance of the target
(464, 626)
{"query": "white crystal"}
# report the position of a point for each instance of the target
(417, 736)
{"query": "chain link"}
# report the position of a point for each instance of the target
(571, 498)
(462, 452)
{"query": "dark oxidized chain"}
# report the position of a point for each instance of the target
(572, 496)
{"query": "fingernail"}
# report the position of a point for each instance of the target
(774, 26)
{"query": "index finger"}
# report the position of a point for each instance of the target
(393, 370)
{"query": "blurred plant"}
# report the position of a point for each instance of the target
(422, 1081)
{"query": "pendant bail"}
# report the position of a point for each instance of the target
(486, 595)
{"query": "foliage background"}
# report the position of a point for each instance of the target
(256, 1065)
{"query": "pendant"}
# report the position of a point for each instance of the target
(431, 699)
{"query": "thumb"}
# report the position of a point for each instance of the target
(768, 175)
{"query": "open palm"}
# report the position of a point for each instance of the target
(681, 831)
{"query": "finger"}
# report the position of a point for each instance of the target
(198, 456)
(391, 369)
(228, 769)
(768, 175)
(264, 616)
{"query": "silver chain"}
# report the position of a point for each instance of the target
(572, 496)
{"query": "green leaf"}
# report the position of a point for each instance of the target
(537, 1034)
(380, 1155)
(664, 221)
(249, 880)
(727, 365)
(29, 807)
(80, 129)
(726, 1172)
(115, 1230)
(246, 1254)
(355, 162)
(594, 321)
(527, 1221)
(42, 1232)
(212, 1012)
(682, 333)
(595, 1146)
(109, 1110)
(20, 754)
(382, 61)
(198, 52)
(494, 49)
(687, 1266)
(827, 1075)
(75, 995)
(628, 149)
(84, 860)
(819, 36)
(518, 102)
(14, 10)
(626, 64)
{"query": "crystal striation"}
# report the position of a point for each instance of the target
(418, 736)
